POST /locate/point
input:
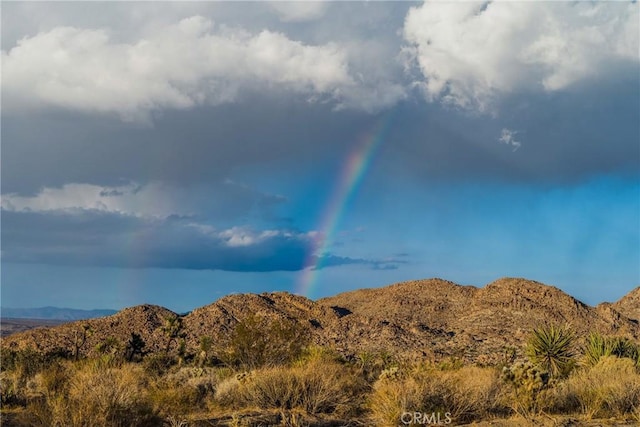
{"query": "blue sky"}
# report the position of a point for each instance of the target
(173, 153)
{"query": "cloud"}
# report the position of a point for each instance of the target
(469, 54)
(155, 199)
(508, 137)
(190, 63)
(95, 238)
(153, 226)
(266, 138)
(332, 260)
(299, 11)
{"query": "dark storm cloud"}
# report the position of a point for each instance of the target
(564, 137)
(91, 238)
(195, 137)
(586, 128)
(185, 147)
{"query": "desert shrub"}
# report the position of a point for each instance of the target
(391, 397)
(229, 392)
(181, 392)
(272, 388)
(175, 401)
(158, 364)
(528, 388)
(329, 387)
(19, 367)
(203, 379)
(610, 388)
(54, 380)
(28, 361)
(257, 342)
(97, 395)
(315, 388)
(465, 394)
(472, 392)
(203, 357)
(551, 348)
(12, 389)
(318, 354)
(109, 346)
(450, 364)
(371, 363)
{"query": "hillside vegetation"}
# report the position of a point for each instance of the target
(412, 353)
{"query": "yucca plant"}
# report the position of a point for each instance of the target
(596, 348)
(551, 348)
(624, 347)
(599, 346)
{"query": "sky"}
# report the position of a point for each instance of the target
(174, 153)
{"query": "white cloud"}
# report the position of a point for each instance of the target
(130, 199)
(190, 63)
(298, 11)
(469, 53)
(245, 236)
(508, 136)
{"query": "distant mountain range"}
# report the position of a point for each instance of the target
(53, 313)
(428, 319)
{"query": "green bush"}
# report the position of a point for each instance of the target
(158, 364)
(371, 363)
(110, 346)
(29, 361)
(257, 342)
(19, 367)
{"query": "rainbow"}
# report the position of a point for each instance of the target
(351, 175)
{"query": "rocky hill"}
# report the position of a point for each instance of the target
(478, 324)
(629, 305)
(432, 319)
(145, 320)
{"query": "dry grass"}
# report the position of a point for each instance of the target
(610, 388)
(177, 402)
(391, 397)
(527, 389)
(94, 394)
(185, 391)
(315, 388)
(467, 394)
(104, 392)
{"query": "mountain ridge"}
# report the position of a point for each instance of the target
(431, 318)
